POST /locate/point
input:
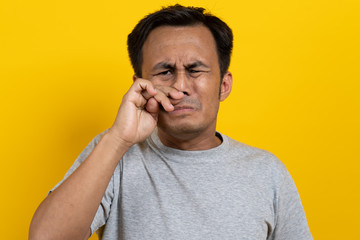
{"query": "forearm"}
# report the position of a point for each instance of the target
(68, 211)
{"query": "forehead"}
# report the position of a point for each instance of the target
(174, 44)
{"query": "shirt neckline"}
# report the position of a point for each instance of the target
(198, 156)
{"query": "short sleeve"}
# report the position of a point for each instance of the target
(103, 211)
(291, 223)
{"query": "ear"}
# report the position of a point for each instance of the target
(226, 86)
(134, 77)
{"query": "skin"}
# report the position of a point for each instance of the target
(181, 97)
(185, 59)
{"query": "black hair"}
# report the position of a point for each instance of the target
(178, 15)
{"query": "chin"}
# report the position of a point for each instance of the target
(186, 125)
(181, 129)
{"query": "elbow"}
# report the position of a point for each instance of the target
(36, 232)
(39, 227)
(40, 230)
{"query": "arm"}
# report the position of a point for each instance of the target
(291, 223)
(68, 211)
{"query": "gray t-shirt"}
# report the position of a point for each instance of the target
(233, 191)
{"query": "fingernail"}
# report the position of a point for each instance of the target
(170, 106)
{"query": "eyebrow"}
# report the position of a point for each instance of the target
(196, 64)
(166, 65)
(163, 65)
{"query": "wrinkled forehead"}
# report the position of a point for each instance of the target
(169, 34)
(179, 46)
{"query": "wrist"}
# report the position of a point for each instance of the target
(118, 143)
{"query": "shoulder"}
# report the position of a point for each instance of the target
(87, 150)
(243, 150)
(255, 159)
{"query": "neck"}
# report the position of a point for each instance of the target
(190, 141)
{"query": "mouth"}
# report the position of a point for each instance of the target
(183, 109)
(176, 107)
(186, 106)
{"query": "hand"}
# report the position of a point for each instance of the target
(138, 113)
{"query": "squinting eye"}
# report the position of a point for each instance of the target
(165, 72)
(195, 73)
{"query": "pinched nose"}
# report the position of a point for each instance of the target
(175, 101)
(176, 95)
(182, 83)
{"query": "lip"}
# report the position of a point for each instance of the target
(183, 109)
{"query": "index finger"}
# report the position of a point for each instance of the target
(145, 88)
(170, 92)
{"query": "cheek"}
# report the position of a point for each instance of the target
(208, 88)
(210, 102)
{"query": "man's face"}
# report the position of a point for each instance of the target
(185, 58)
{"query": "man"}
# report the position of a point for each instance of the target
(162, 171)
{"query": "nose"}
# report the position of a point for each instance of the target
(182, 83)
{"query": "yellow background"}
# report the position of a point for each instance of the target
(64, 68)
